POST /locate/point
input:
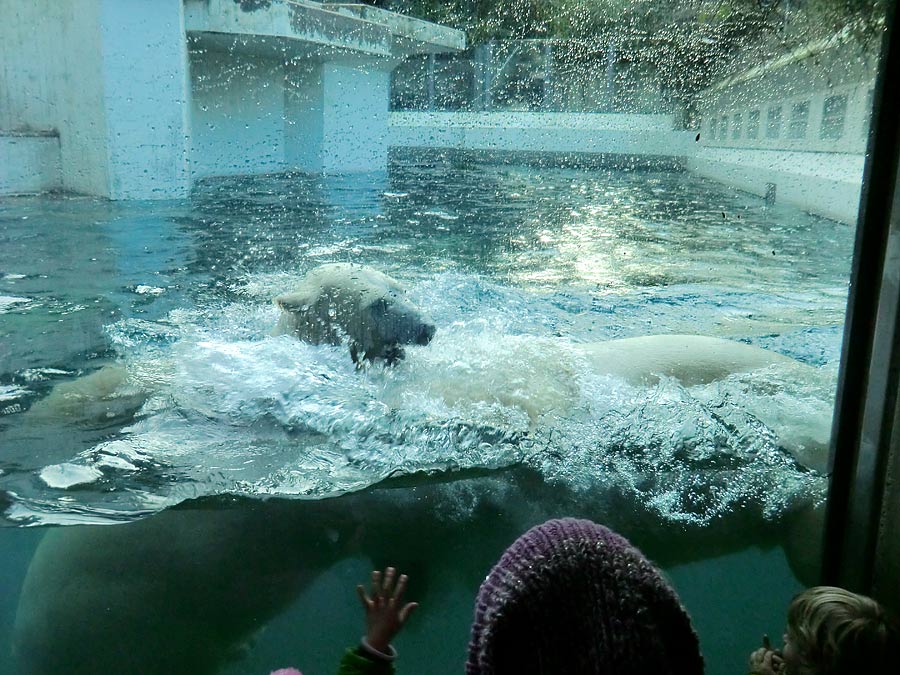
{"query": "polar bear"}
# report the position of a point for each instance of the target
(365, 306)
(542, 377)
(695, 360)
(106, 397)
(690, 359)
(179, 593)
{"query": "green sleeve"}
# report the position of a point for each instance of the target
(355, 663)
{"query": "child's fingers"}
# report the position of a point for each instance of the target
(408, 609)
(361, 592)
(401, 587)
(376, 582)
(388, 583)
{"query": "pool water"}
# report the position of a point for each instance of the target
(435, 464)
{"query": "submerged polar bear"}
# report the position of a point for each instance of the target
(341, 301)
(543, 377)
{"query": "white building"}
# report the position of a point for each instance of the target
(793, 129)
(131, 99)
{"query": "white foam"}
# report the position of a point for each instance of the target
(143, 289)
(11, 392)
(443, 215)
(7, 302)
(66, 475)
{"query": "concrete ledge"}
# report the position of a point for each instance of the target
(826, 184)
(576, 160)
(541, 132)
(299, 28)
(29, 163)
(411, 35)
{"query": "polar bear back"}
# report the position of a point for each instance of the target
(690, 359)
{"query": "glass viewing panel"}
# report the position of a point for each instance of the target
(289, 290)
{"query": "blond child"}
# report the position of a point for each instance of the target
(831, 631)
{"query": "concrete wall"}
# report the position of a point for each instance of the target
(29, 164)
(304, 125)
(794, 128)
(146, 98)
(728, 126)
(337, 117)
(109, 77)
(827, 185)
(355, 133)
(51, 65)
(136, 116)
(542, 132)
(257, 115)
(238, 110)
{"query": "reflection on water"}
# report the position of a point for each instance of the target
(502, 421)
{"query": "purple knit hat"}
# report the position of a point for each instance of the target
(571, 597)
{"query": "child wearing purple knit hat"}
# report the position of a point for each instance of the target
(574, 597)
(568, 597)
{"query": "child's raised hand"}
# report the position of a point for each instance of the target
(385, 612)
(766, 662)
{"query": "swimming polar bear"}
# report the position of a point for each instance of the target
(543, 377)
(365, 306)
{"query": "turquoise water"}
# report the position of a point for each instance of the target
(442, 460)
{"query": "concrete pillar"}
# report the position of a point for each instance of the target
(431, 60)
(337, 117)
(547, 103)
(110, 78)
(238, 113)
(304, 128)
(146, 106)
(610, 79)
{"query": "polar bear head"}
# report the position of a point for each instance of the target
(345, 302)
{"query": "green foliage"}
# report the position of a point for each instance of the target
(686, 43)
(581, 19)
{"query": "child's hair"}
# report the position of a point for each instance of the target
(836, 632)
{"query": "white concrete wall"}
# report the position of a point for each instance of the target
(29, 164)
(337, 117)
(304, 123)
(109, 77)
(837, 67)
(51, 80)
(541, 132)
(850, 137)
(355, 121)
(828, 185)
(817, 167)
(238, 114)
(145, 98)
